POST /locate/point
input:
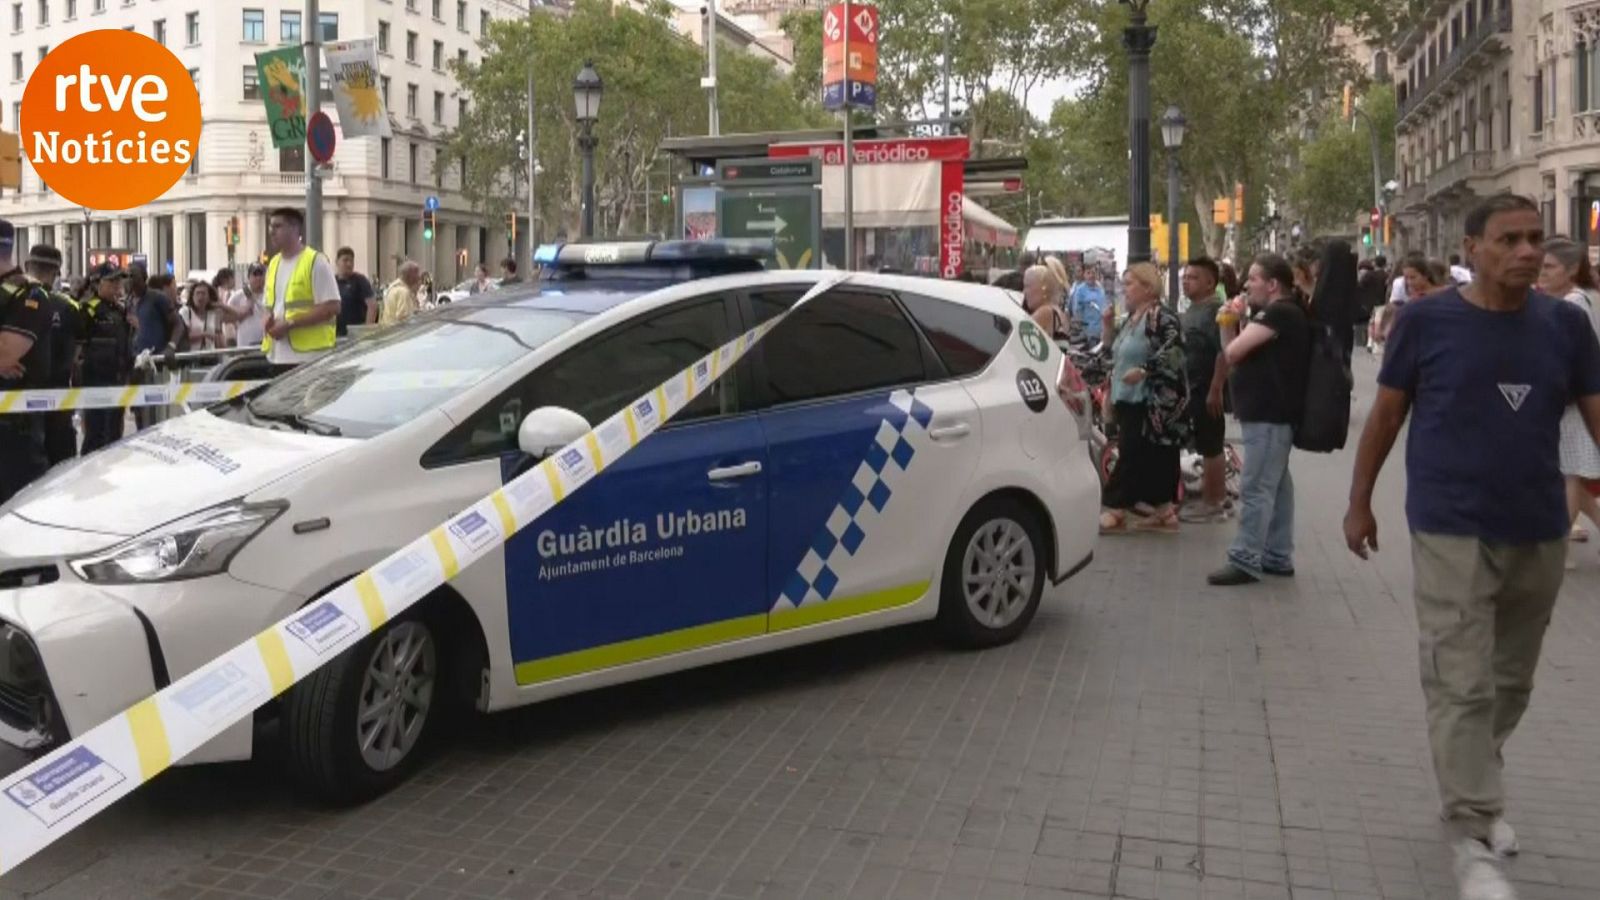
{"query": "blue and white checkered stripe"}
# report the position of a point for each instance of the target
(887, 458)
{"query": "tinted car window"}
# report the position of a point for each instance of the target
(597, 377)
(839, 343)
(965, 338)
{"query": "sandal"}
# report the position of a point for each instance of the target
(1113, 522)
(1164, 523)
(1579, 534)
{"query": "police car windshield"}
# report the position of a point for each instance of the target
(398, 373)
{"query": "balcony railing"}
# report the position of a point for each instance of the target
(1470, 164)
(1488, 29)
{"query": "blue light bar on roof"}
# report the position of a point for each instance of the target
(625, 253)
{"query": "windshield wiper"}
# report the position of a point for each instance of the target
(299, 423)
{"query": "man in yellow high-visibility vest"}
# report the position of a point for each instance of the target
(302, 294)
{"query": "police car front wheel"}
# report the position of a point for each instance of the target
(994, 574)
(358, 726)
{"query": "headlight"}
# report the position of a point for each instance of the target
(197, 545)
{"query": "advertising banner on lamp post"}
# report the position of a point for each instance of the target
(283, 89)
(353, 74)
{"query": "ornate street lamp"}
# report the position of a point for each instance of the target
(586, 91)
(1172, 126)
(1139, 37)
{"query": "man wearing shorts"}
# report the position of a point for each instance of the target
(1208, 373)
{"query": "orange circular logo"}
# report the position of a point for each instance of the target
(110, 120)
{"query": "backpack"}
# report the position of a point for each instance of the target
(1325, 417)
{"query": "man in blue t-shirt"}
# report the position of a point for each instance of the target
(1485, 371)
(1088, 302)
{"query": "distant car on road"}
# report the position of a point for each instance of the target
(894, 451)
(464, 290)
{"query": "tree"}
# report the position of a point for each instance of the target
(651, 76)
(1333, 185)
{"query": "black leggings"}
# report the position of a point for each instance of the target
(1146, 472)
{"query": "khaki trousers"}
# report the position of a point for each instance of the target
(1482, 611)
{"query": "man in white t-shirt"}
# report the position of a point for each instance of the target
(248, 304)
(299, 329)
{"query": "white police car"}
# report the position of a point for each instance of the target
(894, 451)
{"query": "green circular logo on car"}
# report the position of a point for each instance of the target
(1033, 340)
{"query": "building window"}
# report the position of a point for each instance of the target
(1538, 100)
(1505, 118)
(461, 15)
(461, 111)
(252, 83)
(385, 151)
(461, 58)
(411, 46)
(412, 150)
(292, 159)
(383, 88)
(438, 56)
(383, 37)
(289, 28)
(194, 76)
(159, 32)
(1586, 77)
(330, 26)
(255, 26)
(16, 17)
(99, 6)
(438, 10)
(483, 23)
(411, 100)
(16, 69)
(43, 52)
(438, 107)
(191, 27)
(411, 5)
(44, 12)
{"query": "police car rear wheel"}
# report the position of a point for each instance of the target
(994, 575)
(358, 726)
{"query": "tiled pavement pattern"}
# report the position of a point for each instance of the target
(1148, 738)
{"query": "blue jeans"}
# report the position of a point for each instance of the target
(1266, 497)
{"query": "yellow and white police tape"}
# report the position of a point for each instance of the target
(60, 791)
(174, 393)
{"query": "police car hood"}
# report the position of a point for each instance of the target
(179, 467)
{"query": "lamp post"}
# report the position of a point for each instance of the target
(1139, 37)
(586, 91)
(1172, 125)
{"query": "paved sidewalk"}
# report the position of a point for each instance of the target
(1149, 737)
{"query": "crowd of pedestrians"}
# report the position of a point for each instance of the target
(117, 327)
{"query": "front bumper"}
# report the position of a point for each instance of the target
(85, 653)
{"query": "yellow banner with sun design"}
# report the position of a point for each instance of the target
(353, 75)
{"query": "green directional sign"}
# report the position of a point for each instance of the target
(789, 217)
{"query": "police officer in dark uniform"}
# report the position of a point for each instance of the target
(24, 365)
(107, 352)
(66, 330)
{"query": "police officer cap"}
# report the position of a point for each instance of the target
(106, 270)
(44, 255)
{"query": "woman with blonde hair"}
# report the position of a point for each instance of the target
(1149, 396)
(1058, 274)
(1040, 302)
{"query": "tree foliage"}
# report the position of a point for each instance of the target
(1333, 185)
(652, 92)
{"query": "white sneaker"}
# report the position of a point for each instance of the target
(1502, 840)
(1478, 872)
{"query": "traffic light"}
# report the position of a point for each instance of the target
(1349, 102)
(429, 220)
(10, 160)
(511, 226)
(1366, 235)
(461, 257)
(230, 232)
(666, 198)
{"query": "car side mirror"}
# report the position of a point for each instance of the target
(548, 429)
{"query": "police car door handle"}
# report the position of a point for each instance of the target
(743, 470)
(950, 432)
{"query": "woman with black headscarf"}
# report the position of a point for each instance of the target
(1336, 297)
